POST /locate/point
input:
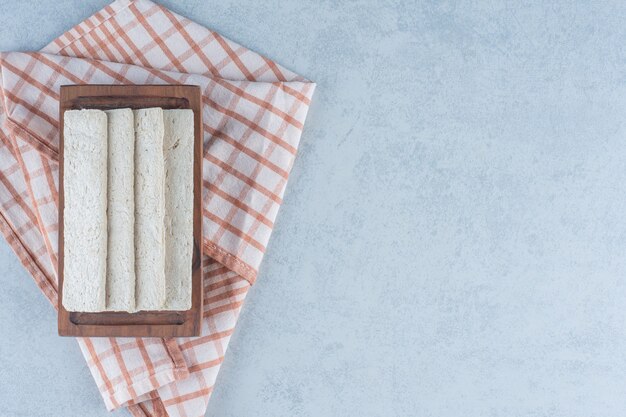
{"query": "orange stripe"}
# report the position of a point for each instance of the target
(12, 169)
(239, 204)
(38, 104)
(146, 358)
(118, 47)
(91, 51)
(75, 50)
(279, 141)
(159, 408)
(206, 365)
(41, 58)
(241, 147)
(25, 76)
(102, 356)
(295, 93)
(261, 103)
(257, 168)
(47, 168)
(89, 23)
(163, 76)
(122, 33)
(279, 186)
(192, 43)
(218, 310)
(37, 214)
(115, 75)
(33, 141)
(244, 178)
(29, 260)
(54, 123)
(16, 196)
(101, 371)
(27, 227)
(179, 407)
(222, 270)
(127, 59)
(98, 16)
(226, 61)
(235, 231)
(103, 46)
(109, 11)
(16, 89)
(201, 44)
(226, 295)
(89, 74)
(122, 365)
(37, 173)
(152, 44)
(216, 182)
(218, 255)
(274, 69)
(234, 57)
(177, 64)
(50, 179)
(79, 29)
(198, 341)
(182, 398)
(8, 205)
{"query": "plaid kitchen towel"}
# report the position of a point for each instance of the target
(254, 111)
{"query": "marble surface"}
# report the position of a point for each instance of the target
(452, 239)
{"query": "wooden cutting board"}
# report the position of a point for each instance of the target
(143, 323)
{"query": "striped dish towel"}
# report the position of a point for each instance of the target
(254, 111)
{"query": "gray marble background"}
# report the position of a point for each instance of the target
(452, 241)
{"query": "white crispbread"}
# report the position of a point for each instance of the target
(149, 210)
(84, 216)
(120, 287)
(178, 144)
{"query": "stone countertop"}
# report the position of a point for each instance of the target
(452, 240)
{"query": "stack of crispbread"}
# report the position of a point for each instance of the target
(128, 216)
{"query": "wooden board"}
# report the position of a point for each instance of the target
(143, 323)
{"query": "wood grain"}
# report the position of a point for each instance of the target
(143, 323)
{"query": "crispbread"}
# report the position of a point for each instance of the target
(85, 217)
(120, 274)
(149, 210)
(178, 141)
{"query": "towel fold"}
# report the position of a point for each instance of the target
(253, 112)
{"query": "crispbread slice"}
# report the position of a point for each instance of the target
(120, 281)
(178, 143)
(149, 210)
(84, 216)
